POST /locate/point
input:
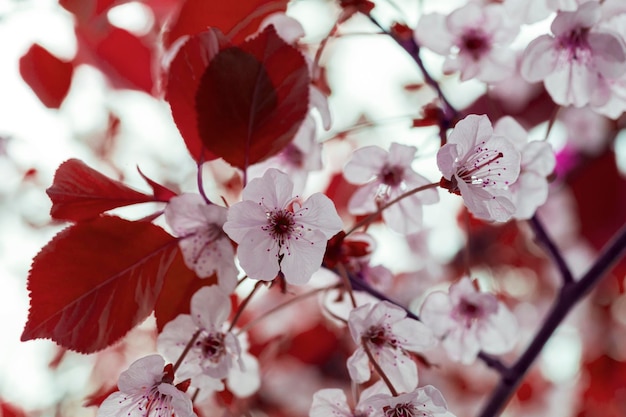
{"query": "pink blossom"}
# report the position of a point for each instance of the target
(385, 176)
(469, 321)
(217, 353)
(277, 232)
(475, 40)
(145, 390)
(530, 190)
(389, 335)
(480, 167)
(422, 402)
(333, 402)
(205, 247)
(577, 62)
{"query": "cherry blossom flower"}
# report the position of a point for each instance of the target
(384, 329)
(530, 190)
(421, 402)
(272, 221)
(385, 176)
(577, 62)
(474, 39)
(469, 321)
(145, 390)
(205, 247)
(480, 166)
(333, 402)
(217, 353)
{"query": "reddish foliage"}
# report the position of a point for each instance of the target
(237, 19)
(604, 397)
(180, 285)
(9, 410)
(160, 192)
(184, 76)
(48, 76)
(95, 281)
(95, 399)
(79, 192)
(314, 346)
(252, 99)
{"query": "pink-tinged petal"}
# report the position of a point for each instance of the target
(184, 213)
(497, 65)
(320, 102)
(318, 212)
(513, 131)
(363, 201)
(416, 336)
(365, 164)
(359, 366)
(245, 380)
(359, 322)
(274, 189)
(435, 313)
(399, 368)
(385, 312)
(205, 383)
(530, 192)
(496, 205)
(210, 308)
(118, 404)
(303, 257)
(586, 16)
(500, 333)
(180, 403)
(405, 217)
(461, 345)
(414, 180)
(461, 289)
(432, 33)
(540, 59)
(469, 16)
(469, 67)
(258, 255)
(244, 217)
(470, 131)
(446, 158)
(538, 157)
(172, 341)
(144, 372)
(330, 402)
(401, 155)
(609, 54)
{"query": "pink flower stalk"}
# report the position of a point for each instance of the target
(147, 390)
(389, 336)
(217, 353)
(480, 166)
(530, 190)
(474, 39)
(578, 62)
(277, 232)
(421, 402)
(469, 321)
(205, 247)
(385, 176)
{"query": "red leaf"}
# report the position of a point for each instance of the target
(252, 99)
(79, 192)
(184, 76)
(9, 410)
(242, 17)
(126, 59)
(179, 286)
(160, 192)
(95, 281)
(48, 76)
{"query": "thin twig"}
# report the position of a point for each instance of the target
(554, 252)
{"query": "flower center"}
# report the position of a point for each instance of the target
(403, 410)
(154, 403)
(212, 346)
(377, 336)
(475, 43)
(391, 175)
(281, 224)
(575, 42)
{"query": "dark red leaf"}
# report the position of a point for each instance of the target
(98, 397)
(48, 76)
(183, 81)
(79, 192)
(9, 410)
(241, 17)
(160, 192)
(252, 99)
(179, 286)
(95, 281)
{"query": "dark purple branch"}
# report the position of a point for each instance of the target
(546, 241)
(568, 297)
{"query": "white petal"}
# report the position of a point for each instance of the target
(274, 189)
(432, 33)
(303, 257)
(330, 402)
(365, 164)
(318, 212)
(210, 308)
(144, 372)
